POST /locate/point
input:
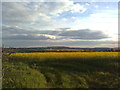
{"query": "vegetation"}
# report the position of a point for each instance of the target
(61, 70)
(57, 49)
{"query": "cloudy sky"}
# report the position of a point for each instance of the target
(69, 23)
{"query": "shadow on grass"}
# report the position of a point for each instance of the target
(74, 64)
(74, 72)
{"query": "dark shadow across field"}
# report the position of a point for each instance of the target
(73, 72)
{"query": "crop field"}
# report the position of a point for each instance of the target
(61, 70)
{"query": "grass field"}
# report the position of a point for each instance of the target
(61, 70)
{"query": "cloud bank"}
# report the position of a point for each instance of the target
(20, 13)
(44, 23)
(84, 34)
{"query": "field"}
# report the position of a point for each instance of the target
(61, 70)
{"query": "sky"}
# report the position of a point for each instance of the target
(69, 23)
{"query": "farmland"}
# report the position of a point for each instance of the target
(61, 70)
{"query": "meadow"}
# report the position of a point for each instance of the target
(61, 70)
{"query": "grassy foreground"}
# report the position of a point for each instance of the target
(61, 70)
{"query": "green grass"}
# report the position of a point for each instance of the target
(18, 75)
(61, 70)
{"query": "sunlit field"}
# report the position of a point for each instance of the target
(61, 70)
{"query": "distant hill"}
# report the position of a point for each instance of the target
(59, 49)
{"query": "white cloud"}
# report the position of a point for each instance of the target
(78, 8)
(87, 4)
(40, 14)
(107, 7)
(106, 21)
(64, 19)
(55, 8)
(73, 17)
(96, 6)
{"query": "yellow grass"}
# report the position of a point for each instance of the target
(61, 55)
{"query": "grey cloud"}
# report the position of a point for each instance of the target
(26, 37)
(40, 14)
(23, 43)
(14, 13)
(20, 40)
(84, 34)
(20, 13)
(15, 30)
